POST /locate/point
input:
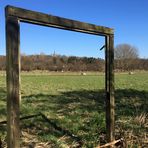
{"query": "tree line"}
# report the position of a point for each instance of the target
(57, 63)
(126, 59)
(73, 63)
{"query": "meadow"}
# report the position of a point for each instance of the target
(68, 110)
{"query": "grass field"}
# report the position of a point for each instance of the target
(70, 111)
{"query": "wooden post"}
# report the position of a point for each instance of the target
(109, 77)
(13, 81)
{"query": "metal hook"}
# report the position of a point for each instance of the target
(102, 47)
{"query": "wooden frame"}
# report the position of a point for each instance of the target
(16, 15)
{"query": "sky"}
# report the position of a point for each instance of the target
(129, 19)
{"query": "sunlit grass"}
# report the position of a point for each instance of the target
(75, 108)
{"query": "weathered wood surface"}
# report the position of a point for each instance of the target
(109, 77)
(54, 21)
(13, 81)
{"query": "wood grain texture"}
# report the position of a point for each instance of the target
(54, 21)
(109, 80)
(13, 81)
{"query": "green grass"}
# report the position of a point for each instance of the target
(75, 110)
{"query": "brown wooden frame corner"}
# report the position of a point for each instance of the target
(16, 15)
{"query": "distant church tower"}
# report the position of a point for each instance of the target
(54, 54)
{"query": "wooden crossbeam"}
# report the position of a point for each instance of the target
(54, 21)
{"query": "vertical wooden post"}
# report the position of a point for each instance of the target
(13, 81)
(109, 77)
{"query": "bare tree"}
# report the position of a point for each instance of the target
(126, 51)
(126, 56)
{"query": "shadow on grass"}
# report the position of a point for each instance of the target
(81, 113)
(2, 102)
(128, 101)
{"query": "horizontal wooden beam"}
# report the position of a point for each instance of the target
(57, 22)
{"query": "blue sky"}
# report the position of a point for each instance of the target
(129, 18)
